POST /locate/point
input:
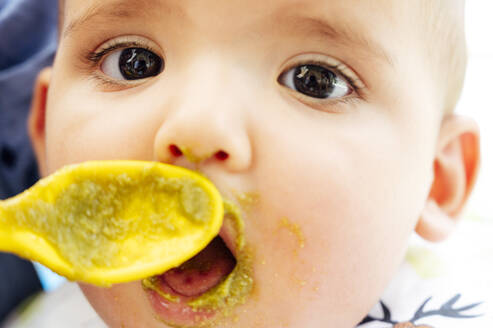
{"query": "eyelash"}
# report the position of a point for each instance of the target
(339, 69)
(93, 59)
(355, 83)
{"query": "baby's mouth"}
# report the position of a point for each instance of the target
(212, 282)
(202, 272)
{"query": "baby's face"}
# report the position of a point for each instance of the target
(317, 118)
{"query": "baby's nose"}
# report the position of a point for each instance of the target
(204, 136)
(207, 121)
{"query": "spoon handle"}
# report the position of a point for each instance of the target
(21, 241)
(8, 229)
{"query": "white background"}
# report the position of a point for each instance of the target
(477, 98)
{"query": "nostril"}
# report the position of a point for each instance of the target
(222, 155)
(175, 151)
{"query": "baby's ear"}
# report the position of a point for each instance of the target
(455, 169)
(36, 120)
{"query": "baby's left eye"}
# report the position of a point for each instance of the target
(132, 64)
(316, 81)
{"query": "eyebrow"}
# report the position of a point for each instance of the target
(115, 10)
(343, 34)
(125, 9)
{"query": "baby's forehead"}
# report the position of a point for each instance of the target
(349, 22)
(351, 13)
(336, 10)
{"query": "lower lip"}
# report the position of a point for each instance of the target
(173, 309)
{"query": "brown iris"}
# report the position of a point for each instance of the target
(314, 81)
(139, 63)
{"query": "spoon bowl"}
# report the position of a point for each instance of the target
(106, 222)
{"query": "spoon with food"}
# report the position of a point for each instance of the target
(107, 222)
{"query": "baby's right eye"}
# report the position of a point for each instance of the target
(132, 64)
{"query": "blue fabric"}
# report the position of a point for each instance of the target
(18, 281)
(28, 38)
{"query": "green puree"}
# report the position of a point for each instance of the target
(88, 221)
(235, 288)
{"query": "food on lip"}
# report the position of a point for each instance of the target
(230, 290)
(107, 222)
(234, 289)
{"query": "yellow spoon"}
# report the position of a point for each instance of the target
(107, 222)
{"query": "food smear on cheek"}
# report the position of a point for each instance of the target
(247, 200)
(294, 230)
(93, 217)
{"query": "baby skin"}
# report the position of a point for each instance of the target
(327, 124)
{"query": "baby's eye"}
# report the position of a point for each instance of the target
(132, 64)
(316, 81)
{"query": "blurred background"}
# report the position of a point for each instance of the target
(477, 99)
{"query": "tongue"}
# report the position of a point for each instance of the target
(202, 272)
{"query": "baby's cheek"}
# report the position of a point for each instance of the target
(122, 305)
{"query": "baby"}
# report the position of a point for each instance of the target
(329, 124)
